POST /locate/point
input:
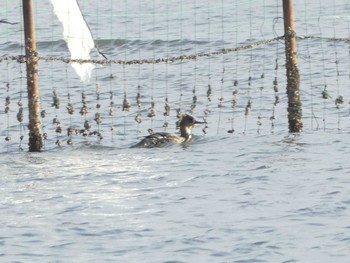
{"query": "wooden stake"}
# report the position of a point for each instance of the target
(34, 126)
(293, 78)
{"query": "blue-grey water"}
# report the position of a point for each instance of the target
(244, 190)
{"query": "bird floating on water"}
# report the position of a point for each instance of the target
(156, 139)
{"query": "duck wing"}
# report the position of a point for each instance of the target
(153, 140)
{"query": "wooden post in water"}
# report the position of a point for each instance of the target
(293, 78)
(34, 126)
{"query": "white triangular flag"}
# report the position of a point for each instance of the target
(77, 35)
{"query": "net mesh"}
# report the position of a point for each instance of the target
(219, 61)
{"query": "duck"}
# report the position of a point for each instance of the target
(157, 139)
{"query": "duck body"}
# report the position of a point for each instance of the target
(159, 139)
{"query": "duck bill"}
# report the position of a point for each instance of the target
(200, 122)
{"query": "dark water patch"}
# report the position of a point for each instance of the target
(53, 198)
(71, 209)
(28, 234)
(62, 245)
(333, 193)
(220, 254)
(345, 239)
(315, 224)
(262, 167)
(88, 234)
(321, 211)
(346, 202)
(251, 260)
(53, 46)
(335, 169)
(259, 243)
(14, 48)
(193, 250)
(31, 255)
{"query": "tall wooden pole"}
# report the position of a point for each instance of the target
(293, 78)
(34, 126)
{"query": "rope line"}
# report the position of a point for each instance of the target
(22, 58)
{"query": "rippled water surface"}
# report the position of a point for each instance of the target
(273, 198)
(257, 195)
